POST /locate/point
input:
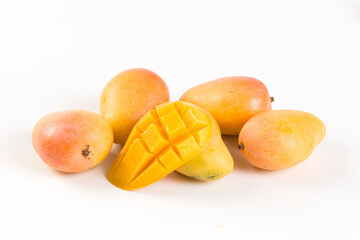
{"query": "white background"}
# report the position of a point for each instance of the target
(58, 55)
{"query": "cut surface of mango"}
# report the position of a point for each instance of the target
(161, 141)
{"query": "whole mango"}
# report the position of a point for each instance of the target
(231, 101)
(280, 139)
(128, 96)
(72, 141)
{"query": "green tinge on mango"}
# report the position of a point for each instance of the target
(215, 160)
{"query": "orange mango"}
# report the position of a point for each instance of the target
(72, 141)
(128, 96)
(280, 139)
(231, 101)
(161, 141)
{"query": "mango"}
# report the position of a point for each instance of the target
(128, 96)
(280, 139)
(72, 141)
(214, 162)
(231, 101)
(160, 142)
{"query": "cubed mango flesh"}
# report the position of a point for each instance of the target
(161, 141)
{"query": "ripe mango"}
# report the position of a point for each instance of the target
(128, 96)
(161, 141)
(231, 101)
(72, 141)
(214, 161)
(280, 139)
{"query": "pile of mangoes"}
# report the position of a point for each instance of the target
(161, 136)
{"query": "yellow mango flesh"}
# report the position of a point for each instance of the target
(280, 139)
(214, 161)
(161, 141)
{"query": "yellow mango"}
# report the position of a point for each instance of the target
(161, 141)
(214, 162)
(128, 96)
(231, 101)
(280, 139)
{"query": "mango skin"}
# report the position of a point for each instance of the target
(214, 162)
(231, 101)
(72, 141)
(280, 139)
(128, 96)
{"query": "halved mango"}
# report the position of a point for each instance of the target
(161, 141)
